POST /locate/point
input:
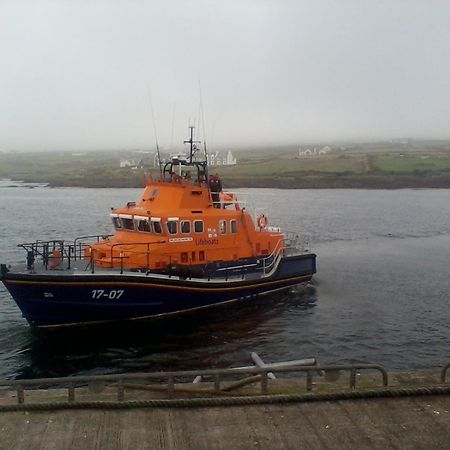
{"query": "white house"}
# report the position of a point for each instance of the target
(216, 159)
(315, 152)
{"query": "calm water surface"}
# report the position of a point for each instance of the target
(381, 293)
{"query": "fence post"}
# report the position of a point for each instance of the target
(71, 392)
(309, 380)
(20, 394)
(217, 383)
(264, 382)
(170, 385)
(353, 378)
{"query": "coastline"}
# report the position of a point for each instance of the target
(383, 165)
(369, 182)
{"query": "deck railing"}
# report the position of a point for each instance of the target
(233, 201)
(60, 254)
(57, 253)
(99, 382)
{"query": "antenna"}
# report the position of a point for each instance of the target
(203, 120)
(154, 130)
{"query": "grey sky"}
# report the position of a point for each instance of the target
(77, 74)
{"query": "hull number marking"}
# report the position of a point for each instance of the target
(111, 295)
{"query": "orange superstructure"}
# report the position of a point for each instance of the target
(183, 220)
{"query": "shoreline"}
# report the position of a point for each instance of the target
(288, 182)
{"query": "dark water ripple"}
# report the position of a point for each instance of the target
(381, 293)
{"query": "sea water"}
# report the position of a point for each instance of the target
(381, 293)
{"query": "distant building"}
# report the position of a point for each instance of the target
(216, 159)
(132, 164)
(315, 152)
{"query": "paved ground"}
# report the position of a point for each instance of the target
(402, 423)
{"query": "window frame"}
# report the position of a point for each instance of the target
(154, 228)
(203, 226)
(117, 223)
(145, 221)
(222, 226)
(181, 226)
(127, 220)
(175, 222)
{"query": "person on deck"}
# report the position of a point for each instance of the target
(219, 182)
(215, 185)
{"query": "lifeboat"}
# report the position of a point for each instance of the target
(184, 245)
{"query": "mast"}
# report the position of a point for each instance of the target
(156, 136)
(191, 142)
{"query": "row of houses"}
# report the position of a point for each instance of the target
(314, 152)
(214, 159)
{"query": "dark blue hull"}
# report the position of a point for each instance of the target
(55, 299)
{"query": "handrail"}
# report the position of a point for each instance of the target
(290, 237)
(279, 242)
(294, 241)
(217, 374)
(97, 236)
(136, 243)
(42, 248)
(68, 252)
(46, 249)
(268, 270)
(279, 249)
(238, 204)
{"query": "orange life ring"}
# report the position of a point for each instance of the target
(55, 260)
(262, 221)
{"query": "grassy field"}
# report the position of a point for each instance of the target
(382, 165)
(290, 166)
(413, 163)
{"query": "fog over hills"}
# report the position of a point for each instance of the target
(78, 75)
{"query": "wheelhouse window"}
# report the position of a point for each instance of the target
(116, 222)
(128, 224)
(172, 226)
(233, 226)
(157, 227)
(144, 225)
(198, 226)
(223, 226)
(185, 226)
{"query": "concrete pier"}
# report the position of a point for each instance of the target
(412, 421)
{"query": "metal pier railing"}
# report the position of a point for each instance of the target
(218, 376)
